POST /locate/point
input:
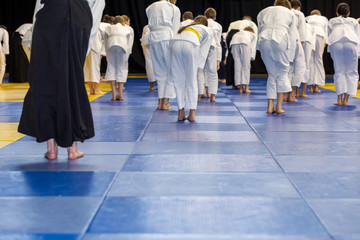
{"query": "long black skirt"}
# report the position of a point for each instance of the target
(18, 61)
(56, 105)
(230, 67)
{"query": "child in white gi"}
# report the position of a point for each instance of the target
(4, 50)
(164, 22)
(243, 49)
(309, 48)
(187, 19)
(117, 41)
(344, 47)
(189, 50)
(298, 67)
(212, 64)
(131, 41)
(317, 71)
(277, 32)
(147, 56)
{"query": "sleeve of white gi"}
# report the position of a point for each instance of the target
(205, 45)
(292, 39)
(217, 36)
(302, 27)
(131, 40)
(176, 20)
(97, 8)
(253, 47)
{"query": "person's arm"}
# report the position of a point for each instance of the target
(5, 47)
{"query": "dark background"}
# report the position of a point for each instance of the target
(13, 13)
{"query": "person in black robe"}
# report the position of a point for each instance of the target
(230, 68)
(56, 107)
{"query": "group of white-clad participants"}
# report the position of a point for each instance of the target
(291, 46)
(183, 57)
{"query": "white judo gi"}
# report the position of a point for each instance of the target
(215, 54)
(309, 48)
(189, 51)
(317, 70)
(164, 22)
(242, 24)
(4, 50)
(344, 47)
(146, 50)
(277, 42)
(92, 61)
(243, 49)
(117, 42)
(298, 66)
(187, 22)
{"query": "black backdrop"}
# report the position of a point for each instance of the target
(13, 13)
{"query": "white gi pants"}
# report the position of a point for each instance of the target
(298, 66)
(2, 66)
(116, 58)
(201, 81)
(210, 70)
(345, 57)
(242, 63)
(184, 66)
(317, 71)
(92, 67)
(277, 65)
(161, 59)
(307, 52)
(148, 64)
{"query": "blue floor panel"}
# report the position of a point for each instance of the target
(236, 173)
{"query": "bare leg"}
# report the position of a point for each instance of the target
(113, 89)
(121, 88)
(166, 105)
(91, 87)
(152, 88)
(303, 91)
(181, 115)
(97, 90)
(346, 99)
(52, 149)
(199, 98)
(212, 98)
(241, 89)
(160, 103)
(279, 103)
(339, 100)
(73, 152)
(207, 92)
(191, 117)
(270, 108)
(246, 89)
(311, 88)
(286, 97)
(292, 95)
(317, 89)
(297, 92)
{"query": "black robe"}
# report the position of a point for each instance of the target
(56, 105)
(230, 67)
(18, 61)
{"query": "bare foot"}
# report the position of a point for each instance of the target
(241, 90)
(247, 91)
(280, 111)
(212, 99)
(166, 107)
(293, 100)
(270, 111)
(303, 95)
(99, 93)
(75, 155)
(152, 89)
(50, 156)
(317, 91)
(120, 99)
(199, 98)
(338, 103)
(344, 103)
(190, 119)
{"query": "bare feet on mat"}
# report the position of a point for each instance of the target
(191, 117)
(50, 156)
(212, 98)
(181, 115)
(280, 111)
(73, 152)
(52, 150)
(241, 90)
(247, 91)
(338, 103)
(303, 95)
(270, 111)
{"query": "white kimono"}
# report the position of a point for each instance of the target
(317, 71)
(276, 42)
(117, 44)
(309, 48)
(130, 47)
(243, 49)
(209, 75)
(298, 66)
(242, 24)
(102, 28)
(164, 22)
(4, 50)
(344, 47)
(147, 55)
(187, 22)
(189, 51)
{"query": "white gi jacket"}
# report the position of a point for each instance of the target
(246, 38)
(131, 39)
(146, 31)
(117, 35)
(23, 29)
(278, 28)
(203, 39)
(242, 24)
(216, 30)
(320, 25)
(187, 22)
(4, 38)
(340, 27)
(301, 25)
(102, 27)
(310, 36)
(163, 21)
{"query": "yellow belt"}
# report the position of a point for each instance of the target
(194, 31)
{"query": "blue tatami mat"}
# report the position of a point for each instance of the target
(236, 173)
